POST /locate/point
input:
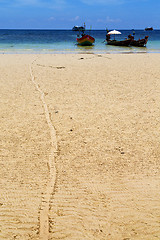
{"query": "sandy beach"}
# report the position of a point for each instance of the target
(80, 147)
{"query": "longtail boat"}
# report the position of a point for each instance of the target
(85, 40)
(122, 43)
(140, 42)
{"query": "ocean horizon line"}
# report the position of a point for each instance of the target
(70, 29)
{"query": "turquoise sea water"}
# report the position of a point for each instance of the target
(64, 41)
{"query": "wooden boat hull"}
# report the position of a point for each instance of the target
(140, 42)
(123, 43)
(86, 40)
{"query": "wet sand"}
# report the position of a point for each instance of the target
(80, 147)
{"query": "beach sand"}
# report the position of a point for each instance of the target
(80, 147)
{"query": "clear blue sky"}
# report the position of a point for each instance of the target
(64, 14)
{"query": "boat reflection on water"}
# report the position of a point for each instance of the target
(86, 49)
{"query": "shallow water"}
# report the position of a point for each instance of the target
(64, 41)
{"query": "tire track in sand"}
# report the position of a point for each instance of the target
(44, 211)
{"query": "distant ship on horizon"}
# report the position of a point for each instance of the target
(149, 29)
(78, 28)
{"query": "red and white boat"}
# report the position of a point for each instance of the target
(85, 40)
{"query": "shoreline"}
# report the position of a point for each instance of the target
(26, 52)
(104, 181)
